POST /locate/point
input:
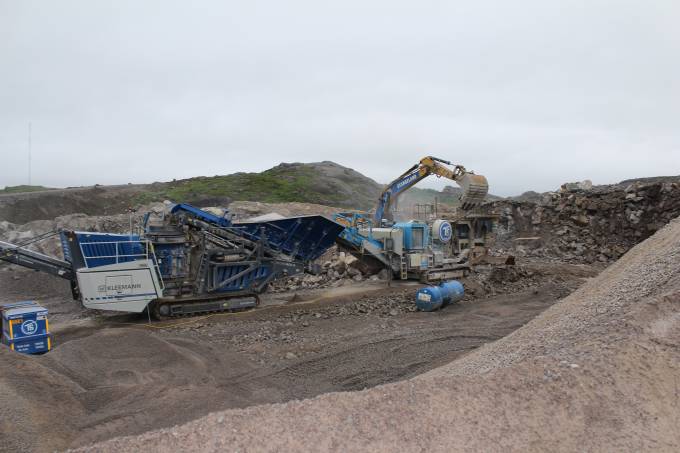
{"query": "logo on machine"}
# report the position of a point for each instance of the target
(410, 179)
(118, 285)
(29, 327)
(445, 231)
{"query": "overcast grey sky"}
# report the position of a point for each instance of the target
(529, 93)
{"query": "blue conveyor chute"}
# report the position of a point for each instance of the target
(303, 238)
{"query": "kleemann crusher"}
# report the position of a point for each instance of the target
(186, 261)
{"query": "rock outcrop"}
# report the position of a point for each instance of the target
(597, 224)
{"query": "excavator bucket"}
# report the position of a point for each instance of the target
(475, 188)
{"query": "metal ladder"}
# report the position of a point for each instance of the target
(403, 267)
(201, 273)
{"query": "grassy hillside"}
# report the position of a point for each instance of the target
(23, 188)
(322, 183)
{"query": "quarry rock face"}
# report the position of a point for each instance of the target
(588, 225)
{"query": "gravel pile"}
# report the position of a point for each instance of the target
(598, 310)
(243, 210)
(334, 269)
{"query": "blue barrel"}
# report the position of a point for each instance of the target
(429, 298)
(432, 298)
(452, 291)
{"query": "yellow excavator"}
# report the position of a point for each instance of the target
(412, 249)
(474, 187)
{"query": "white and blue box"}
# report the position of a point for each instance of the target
(25, 327)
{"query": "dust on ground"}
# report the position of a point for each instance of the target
(596, 372)
(113, 375)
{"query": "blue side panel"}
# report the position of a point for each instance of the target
(171, 260)
(201, 214)
(411, 229)
(101, 249)
(246, 281)
(304, 238)
(33, 345)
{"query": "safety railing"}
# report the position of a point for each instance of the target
(116, 251)
(103, 253)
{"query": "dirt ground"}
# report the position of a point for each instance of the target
(114, 375)
(597, 371)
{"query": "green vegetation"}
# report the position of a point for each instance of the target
(276, 185)
(23, 188)
(321, 183)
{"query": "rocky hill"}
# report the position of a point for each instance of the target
(650, 180)
(324, 183)
(598, 224)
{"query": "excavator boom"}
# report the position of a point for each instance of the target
(474, 187)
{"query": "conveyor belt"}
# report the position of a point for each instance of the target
(33, 260)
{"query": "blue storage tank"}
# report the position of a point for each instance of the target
(432, 298)
(25, 327)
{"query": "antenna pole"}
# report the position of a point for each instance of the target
(29, 153)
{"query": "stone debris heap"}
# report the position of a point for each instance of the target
(335, 269)
(587, 224)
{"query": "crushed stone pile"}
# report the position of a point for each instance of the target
(596, 372)
(244, 210)
(585, 223)
(334, 268)
(118, 223)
